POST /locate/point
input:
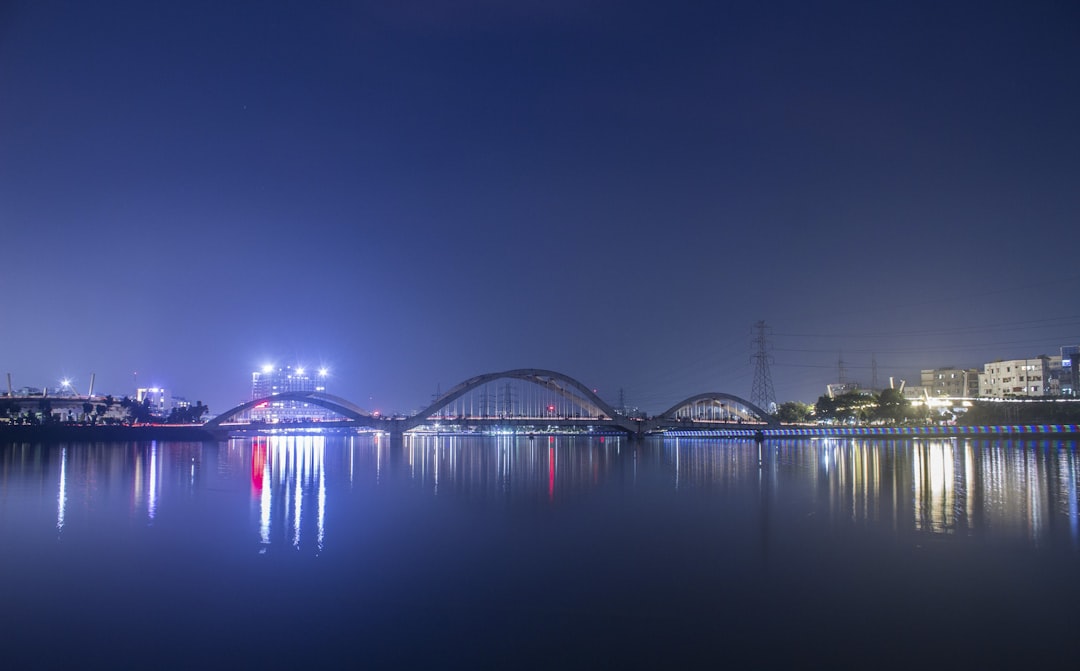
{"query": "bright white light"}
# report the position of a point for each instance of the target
(65, 383)
(323, 372)
(299, 370)
(268, 368)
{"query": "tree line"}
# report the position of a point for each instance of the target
(886, 407)
(889, 407)
(109, 411)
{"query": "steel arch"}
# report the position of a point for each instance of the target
(669, 414)
(328, 401)
(545, 378)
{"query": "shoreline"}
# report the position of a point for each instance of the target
(198, 433)
(100, 433)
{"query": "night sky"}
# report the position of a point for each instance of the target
(413, 193)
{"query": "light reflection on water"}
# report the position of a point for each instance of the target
(944, 487)
(286, 470)
(537, 468)
(603, 546)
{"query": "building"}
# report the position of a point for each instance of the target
(161, 401)
(840, 388)
(273, 380)
(1069, 381)
(1036, 377)
(951, 382)
(914, 392)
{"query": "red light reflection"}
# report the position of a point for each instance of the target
(258, 465)
(551, 471)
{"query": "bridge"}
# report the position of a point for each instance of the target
(528, 399)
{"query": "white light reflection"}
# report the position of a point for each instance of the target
(152, 495)
(286, 471)
(298, 497)
(1069, 474)
(933, 486)
(61, 498)
(1036, 499)
(322, 503)
(264, 504)
(677, 465)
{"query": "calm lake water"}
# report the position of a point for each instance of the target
(509, 552)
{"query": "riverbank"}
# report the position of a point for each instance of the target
(15, 433)
(1009, 431)
(84, 433)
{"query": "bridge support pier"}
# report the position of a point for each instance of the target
(397, 447)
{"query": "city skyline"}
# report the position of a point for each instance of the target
(315, 378)
(413, 193)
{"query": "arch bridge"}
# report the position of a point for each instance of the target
(521, 397)
(532, 398)
(353, 414)
(712, 410)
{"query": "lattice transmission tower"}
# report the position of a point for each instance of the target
(762, 394)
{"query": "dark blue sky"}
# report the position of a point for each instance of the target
(413, 193)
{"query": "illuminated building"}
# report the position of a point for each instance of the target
(160, 400)
(273, 380)
(953, 382)
(1021, 377)
(1070, 371)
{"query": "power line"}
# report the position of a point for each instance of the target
(916, 350)
(1004, 326)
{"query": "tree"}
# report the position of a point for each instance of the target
(45, 407)
(826, 408)
(794, 412)
(137, 412)
(192, 414)
(846, 408)
(892, 407)
(9, 408)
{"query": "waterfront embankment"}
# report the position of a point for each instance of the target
(22, 433)
(1002, 431)
(102, 433)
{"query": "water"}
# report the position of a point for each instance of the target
(508, 552)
